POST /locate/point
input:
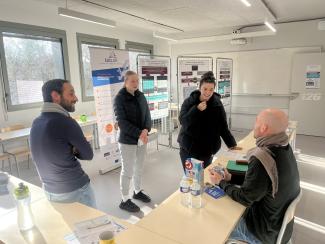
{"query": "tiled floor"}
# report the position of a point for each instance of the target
(163, 172)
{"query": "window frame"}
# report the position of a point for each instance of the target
(91, 40)
(36, 32)
(137, 46)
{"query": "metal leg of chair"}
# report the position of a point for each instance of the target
(28, 161)
(18, 173)
(10, 167)
(3, 165)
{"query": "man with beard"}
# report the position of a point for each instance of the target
(57, 142)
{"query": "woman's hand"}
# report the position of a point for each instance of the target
(235, 148)
(202, 106)
(144, 136)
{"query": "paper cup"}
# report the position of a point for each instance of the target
(106, 237)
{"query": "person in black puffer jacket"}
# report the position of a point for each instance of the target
(134, 120)
(204, 121)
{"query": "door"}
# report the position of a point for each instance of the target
(308, 79)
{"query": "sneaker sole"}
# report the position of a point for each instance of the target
(130, 211)
(142, 200)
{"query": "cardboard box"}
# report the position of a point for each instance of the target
(194, 170)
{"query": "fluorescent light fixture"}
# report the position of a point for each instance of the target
(310, 225)
(226, 37)
(163, 36)
(86, 17)
(247, 4)
(271, 27)
(312, 187)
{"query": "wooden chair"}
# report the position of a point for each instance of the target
(4, 156)
(18, 151)
(88, 135)
(90, 138)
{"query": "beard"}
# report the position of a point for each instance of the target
(69, 106)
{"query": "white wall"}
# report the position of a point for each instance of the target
(43, 14)
(263, 66)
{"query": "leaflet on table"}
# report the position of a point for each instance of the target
(214, 191)
(88, 231)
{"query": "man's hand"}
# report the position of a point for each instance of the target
(144, 136)
(202, 106)
(227, 175)
(215, 177)
(75, 151)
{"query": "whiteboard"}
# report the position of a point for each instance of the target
(263, 72)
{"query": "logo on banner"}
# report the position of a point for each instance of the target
(111, 58)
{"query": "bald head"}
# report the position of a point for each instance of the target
(269, 122)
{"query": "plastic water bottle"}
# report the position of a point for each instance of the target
(184, 188)
(196, 201)
(25, 218)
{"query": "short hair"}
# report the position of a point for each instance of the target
(128, 74)
(50, 86)
(208, 77)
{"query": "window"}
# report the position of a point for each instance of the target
(30, 56)
(136, 49)
(84, 42)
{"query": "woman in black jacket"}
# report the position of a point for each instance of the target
(133, 118)
(203, 119)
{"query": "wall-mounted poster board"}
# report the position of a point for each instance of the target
(189, 73)
(154, 74)
(224, 74)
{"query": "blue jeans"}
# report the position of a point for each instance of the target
(241, 233)
(84, 195)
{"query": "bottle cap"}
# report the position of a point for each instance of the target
(21, 191)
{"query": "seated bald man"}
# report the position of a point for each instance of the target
(270, 185)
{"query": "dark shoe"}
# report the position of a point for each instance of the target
(129, 206)
(141, 196)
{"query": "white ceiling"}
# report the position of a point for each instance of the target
(291, 10)
(198, 16)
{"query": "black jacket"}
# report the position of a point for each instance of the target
(264, 214)
(132, 115)
(201, 130)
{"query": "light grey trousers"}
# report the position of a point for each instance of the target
(132, 166)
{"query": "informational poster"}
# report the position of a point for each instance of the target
(224, 73)
(108, 69)
(190, 71)
(154, 76)
(312, 76)
(224, 79)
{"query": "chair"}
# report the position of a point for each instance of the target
(88, 135)
(90, 138)
(19, 151)
(289, 214)
(4, 156)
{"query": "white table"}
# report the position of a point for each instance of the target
(54, 221)
(25, 132)
(7, 202)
